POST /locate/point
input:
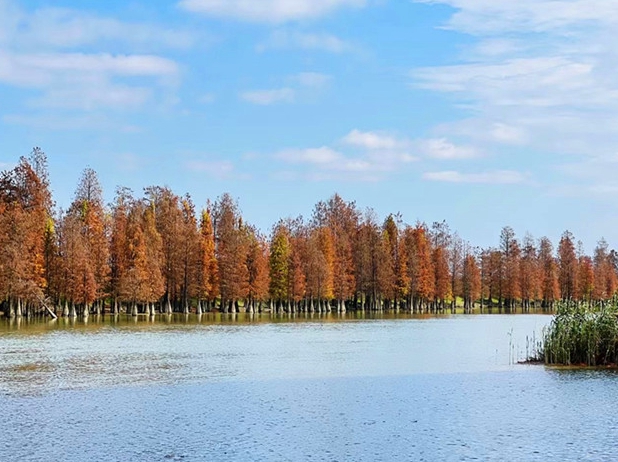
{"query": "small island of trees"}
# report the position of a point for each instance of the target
(158, 254)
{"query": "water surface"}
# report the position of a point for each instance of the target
(324, 389)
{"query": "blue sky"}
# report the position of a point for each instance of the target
(479, 112)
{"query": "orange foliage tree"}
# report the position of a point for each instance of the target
(155, 252)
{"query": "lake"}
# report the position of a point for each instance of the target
(292, 389)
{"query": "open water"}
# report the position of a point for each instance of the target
(324, 389)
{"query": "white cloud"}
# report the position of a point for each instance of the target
(490, 177)
(387, 146)
(530, 82)
(284, 40)
(86, 81)
(326, 163)
(440, 148)
(43, 66)
(373, 140)
(507, 134)
(326, 159)
(300, 84)
(480, 132)
(268, 97)
(67, 28)
(539, 75)
(268, 11)
(489, 17)
(40, 51)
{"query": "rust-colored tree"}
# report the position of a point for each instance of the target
(257, 266)
(586, 282)
(456, 263)
(470, 280)
(366, 262)
(279, 264)
(492, 275)
(119, 255)
(604, 272)
(420, 266)
(509, 283)
(231, 252)
(208, 279)
(342, 219)
(567, 267)
(529, 276)
(88, 210)
(441, 239)
(319, 271)
(548, 267)
(387, 262)
(169, 222)
(190, 256)
(297, 279)
(79, 286)
(26, 231)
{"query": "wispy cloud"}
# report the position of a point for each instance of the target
(593, 176)
(69, 28)
(486, 17)
(86, 81)
(441, 148)
(324, 163)
(309, 41)
(386, 145)
(489, 177)
(304, 83)
(268, 97)
(268, 11)
(365, 156)
(539, 74)
(54, 53)
(373, 140)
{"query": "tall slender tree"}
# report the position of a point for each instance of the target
(567, 264)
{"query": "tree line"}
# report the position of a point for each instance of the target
(158, 254)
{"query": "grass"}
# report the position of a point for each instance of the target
(581, 336)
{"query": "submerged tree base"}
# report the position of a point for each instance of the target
(581, 337)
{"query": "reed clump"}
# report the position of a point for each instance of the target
(581, 335)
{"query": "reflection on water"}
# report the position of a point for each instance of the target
(33, 325)
(101, 352)
(442, 389)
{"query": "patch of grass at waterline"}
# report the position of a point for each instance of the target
(581, 336)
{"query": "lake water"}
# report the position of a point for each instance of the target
(323, 389)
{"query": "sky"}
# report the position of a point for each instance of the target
(478, 112)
